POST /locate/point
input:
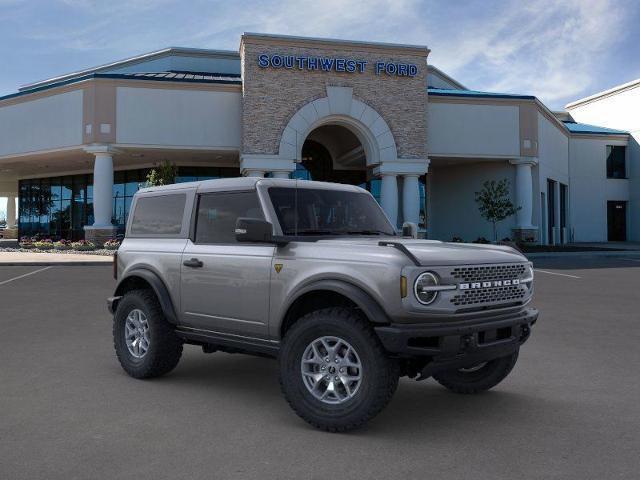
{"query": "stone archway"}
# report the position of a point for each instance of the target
(340, 108)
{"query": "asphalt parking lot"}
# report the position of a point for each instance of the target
(570, 409)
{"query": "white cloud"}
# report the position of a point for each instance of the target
(546, 48)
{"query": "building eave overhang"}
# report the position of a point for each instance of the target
(116, 76)
(473, 94)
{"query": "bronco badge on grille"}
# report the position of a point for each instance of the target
(495, 283)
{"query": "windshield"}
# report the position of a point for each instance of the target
(328, 212)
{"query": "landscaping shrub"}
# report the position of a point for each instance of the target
(62, 245)
(112, 244)
(46, 244)
(83, 245)
(481, 240)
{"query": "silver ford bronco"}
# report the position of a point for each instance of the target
(313, 274)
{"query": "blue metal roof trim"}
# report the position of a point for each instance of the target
(585, 128)
(226, 79)
(444, 92)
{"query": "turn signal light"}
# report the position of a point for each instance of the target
(403, 287)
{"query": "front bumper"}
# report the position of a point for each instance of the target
(112, 304)
(458, 345)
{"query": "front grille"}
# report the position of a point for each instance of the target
(491, 272)
(489, 295)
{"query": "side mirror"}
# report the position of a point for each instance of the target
(255, 230)
(410, 230)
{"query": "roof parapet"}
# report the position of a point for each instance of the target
(132, 61)
(603, 94)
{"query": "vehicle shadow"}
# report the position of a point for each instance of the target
(416, 406)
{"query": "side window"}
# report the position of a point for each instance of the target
(218, 212)
(616, 167)
(159, 215)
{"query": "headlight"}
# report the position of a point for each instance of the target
(528, 274)
(425, 288)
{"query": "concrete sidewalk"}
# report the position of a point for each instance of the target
(33, 258)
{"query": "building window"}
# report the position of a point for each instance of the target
(551, 210)
(60, 207)
(563, 212)
(616, 161)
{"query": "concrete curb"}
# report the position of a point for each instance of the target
(616, 253)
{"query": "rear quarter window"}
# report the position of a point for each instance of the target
(159, 215)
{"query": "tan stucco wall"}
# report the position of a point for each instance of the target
(271, 96)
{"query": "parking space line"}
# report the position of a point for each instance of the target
(555, 273)
(25, 275)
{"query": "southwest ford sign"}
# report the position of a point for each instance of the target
(334, 64)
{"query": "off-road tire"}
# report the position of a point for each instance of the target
(165, 347)
(380, 374)
(480, 380)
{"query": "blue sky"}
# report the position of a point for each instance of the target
(557, 50)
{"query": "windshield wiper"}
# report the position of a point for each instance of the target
(368, 232)
(316, 232)
(338, 232)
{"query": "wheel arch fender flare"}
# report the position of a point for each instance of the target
(158, 287)
(363, 300)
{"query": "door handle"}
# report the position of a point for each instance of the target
(193, 263)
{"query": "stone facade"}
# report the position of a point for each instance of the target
(271, 96)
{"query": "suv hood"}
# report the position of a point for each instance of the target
(433, 252)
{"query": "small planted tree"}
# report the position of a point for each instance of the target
(163, 174)
(494, 203)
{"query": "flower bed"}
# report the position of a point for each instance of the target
(62, 245)
(43, 244)
(111, 244)
(83, 245)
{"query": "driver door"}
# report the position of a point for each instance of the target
(225, 284)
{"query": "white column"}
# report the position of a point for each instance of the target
(11, 212)
(256, 165)
(389, 197)
(102, 186)
(524, 193)
(411, 198)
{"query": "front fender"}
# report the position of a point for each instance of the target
(369, 306)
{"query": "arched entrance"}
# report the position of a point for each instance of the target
(332, 153)
(339, 138)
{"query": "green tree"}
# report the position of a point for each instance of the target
(163, 174)
(494, 203)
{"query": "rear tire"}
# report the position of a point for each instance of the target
(477, 380)
(363, 378)
(146, 344)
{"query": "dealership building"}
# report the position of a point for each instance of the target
(75, 148)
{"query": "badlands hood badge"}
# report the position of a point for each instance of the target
(278, 267)
(495, 283)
